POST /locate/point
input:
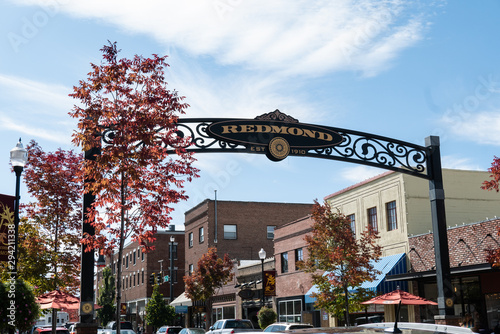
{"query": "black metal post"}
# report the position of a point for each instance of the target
(442, 256)
(263, 286)
(171, 270)
(18, 170)
(87, 262)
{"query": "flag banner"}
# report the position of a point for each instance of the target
(7, 230)
(270, 283)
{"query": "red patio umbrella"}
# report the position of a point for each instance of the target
(58, 299)
(399, 297)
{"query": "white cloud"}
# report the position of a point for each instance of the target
(453, 162)
(299, 37)
(480, 127)
(41, 93)
(360, 173)
(35, 110)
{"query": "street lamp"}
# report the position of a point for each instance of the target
(172, 239)
(18, 159)
(262, 257)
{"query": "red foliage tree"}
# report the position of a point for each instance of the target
(338, 261)
(135, 180)
(54, 179)
(493, 256)
(210, 275)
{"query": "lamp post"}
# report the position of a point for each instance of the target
(172, 239)
(262, 257)
(18, 159)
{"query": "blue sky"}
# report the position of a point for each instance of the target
(401, 69)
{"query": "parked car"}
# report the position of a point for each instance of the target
(169, 330)
(123, 325)
(231, 326)
(369, 320)
(386, 327)
(285, 326)
(48, 330)
(192, 331)
(113, 331)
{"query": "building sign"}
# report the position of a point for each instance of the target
(246, 294)
(270, 283)
(181, 309)
(7, 231)
(275, 134)
(123, 308)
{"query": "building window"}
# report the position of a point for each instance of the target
(229, 231)
(290, 311)
(202, 234)
(284, 262)
(270, 232)
(190, 239)
(126, 261)
(392, 222)
(142, 256)
(352, 219)
(190, 269)
(225, 312)
(133, 280)
(372, 218)
(134, 257)
(299, 257)
(143, 276)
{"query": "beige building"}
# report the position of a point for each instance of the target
(398, 205)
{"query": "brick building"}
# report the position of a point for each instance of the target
(239, 229)
(474, 282)
(137, 268)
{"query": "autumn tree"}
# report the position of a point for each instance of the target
(54, 180)
(106, 297)
(493, 256)
(125, 105)
(338, 262)
(211, 274)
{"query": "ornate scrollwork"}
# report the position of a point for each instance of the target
(200, 140)
(379, 152)
(356, 147)
(277, 116)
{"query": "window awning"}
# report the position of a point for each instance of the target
(474, 269)
(387, 265)
(182, 300)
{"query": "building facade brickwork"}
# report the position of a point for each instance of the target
(467, 244)
(137, 267)
(239, 229)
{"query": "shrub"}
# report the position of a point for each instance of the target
(266, 317)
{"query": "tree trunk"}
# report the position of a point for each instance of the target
(120, 253)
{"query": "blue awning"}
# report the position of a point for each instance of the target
(387, 265)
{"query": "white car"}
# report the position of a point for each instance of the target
(169, 330)
(284, 326)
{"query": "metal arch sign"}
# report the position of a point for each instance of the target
(277, 138)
